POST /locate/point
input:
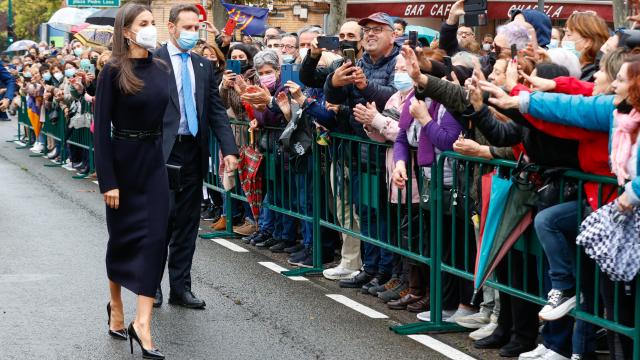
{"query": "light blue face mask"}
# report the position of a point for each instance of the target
(46, 76)
(553, 44)
(571, 46)
(78, 51)
(69, 72)
(187, 39)
(85, 64)
(287, 59)
(27, 74)
(402, 81)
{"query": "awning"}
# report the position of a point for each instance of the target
(498, 10)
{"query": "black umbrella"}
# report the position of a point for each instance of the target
(103, 17)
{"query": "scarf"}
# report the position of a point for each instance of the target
(621, 143)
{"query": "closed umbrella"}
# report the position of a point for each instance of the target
(249, 171)
(103, 17)
(21, 45)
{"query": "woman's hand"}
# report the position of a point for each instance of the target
(538, 83)
(499, 97)
(418, 110)
(256, 95)
(296, 92)
(412, 63)
(283, 102)
(399, 175)
(365, 114)
(112, 198)
(511, 75)
(466, 147)
(228, 78)
(253, 124)
(239, 84)
(332, 107)
(624, 205)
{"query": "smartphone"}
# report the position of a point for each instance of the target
(290, 72)
(413, 39)
(234, 66)
(350, 54)
(230, 27)
(475, 13)
(514, 51)
(329, 42)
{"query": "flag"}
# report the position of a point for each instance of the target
(251, 20)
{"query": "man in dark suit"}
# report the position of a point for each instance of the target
(194, 110)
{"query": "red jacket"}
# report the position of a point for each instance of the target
(593, 146)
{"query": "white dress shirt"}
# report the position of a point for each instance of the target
(176, 63)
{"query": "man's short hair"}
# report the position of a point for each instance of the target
(310, 29)
(177, 9)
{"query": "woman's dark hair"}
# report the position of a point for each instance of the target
(128, 82)
(214, 49)
(551, 70)
(248, 50)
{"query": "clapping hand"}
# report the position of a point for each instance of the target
(283, 102)
(256, 95)
(365, 114)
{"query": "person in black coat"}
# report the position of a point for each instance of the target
(131, 97)
(195, 109)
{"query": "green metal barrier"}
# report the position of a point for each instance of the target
(23, 120)
(527, 249)
(55, 128)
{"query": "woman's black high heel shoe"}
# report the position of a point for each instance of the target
(146, 354)
(119, 334)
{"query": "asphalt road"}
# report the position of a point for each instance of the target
(53, 289)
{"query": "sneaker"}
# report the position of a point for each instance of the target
(300, 258)
(339, 273)
(37, 148)
(279, 247)
(536, 353)
(474, 321)
(212, 213)
(393, 282)
(246, 228)
(294, 248)
(559, 304)
(379, 280)
(260, 237)
(394, 293)
(458, 314)
(247, 239)
(552, 355)
(486, 330)
(327, 257)
(426, 316)
(267, 243)
(52, 154)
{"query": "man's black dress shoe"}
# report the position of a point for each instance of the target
(157, 301)
(188, 300)
(490, 342)
(514, 349)
(358, 281)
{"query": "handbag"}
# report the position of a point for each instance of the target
(549, 194)
(449, 196)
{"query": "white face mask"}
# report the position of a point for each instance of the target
(303, 52)
(147, 37)
(486, 47)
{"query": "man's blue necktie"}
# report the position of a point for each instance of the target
(187, 96)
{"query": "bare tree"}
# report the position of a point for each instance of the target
(620, 14)
(337, 16)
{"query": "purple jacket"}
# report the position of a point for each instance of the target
(439, 133)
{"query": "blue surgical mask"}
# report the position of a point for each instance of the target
(78, 51)
(553, 44)
(69, 72)
(571, 46)
(27, 74)
(46, 76)
(402, 81)
(85, 63)
(287, 59)
(187, 39)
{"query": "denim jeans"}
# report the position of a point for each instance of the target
(556, 335)
(376, 260)
(304, 204)
(556, 229)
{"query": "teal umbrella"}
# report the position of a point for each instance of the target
(423, 32)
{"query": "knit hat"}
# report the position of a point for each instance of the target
(540, 22)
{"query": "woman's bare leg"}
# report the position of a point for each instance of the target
(117, 308)
(142, 324)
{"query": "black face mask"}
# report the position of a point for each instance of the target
(244, 65)
(624, 107)
(349, 44)
(94, 60)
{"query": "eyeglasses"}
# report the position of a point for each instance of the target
(375, 30)
(271, 46)
(288, 47)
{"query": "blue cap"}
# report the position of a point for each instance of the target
(379, 17)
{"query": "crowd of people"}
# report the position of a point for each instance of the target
(567, 99)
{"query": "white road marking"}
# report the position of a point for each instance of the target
(442, 348)
(357, 306)
(229, 245)
(279, 269)
(95, 182)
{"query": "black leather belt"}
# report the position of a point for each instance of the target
(123, 134)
